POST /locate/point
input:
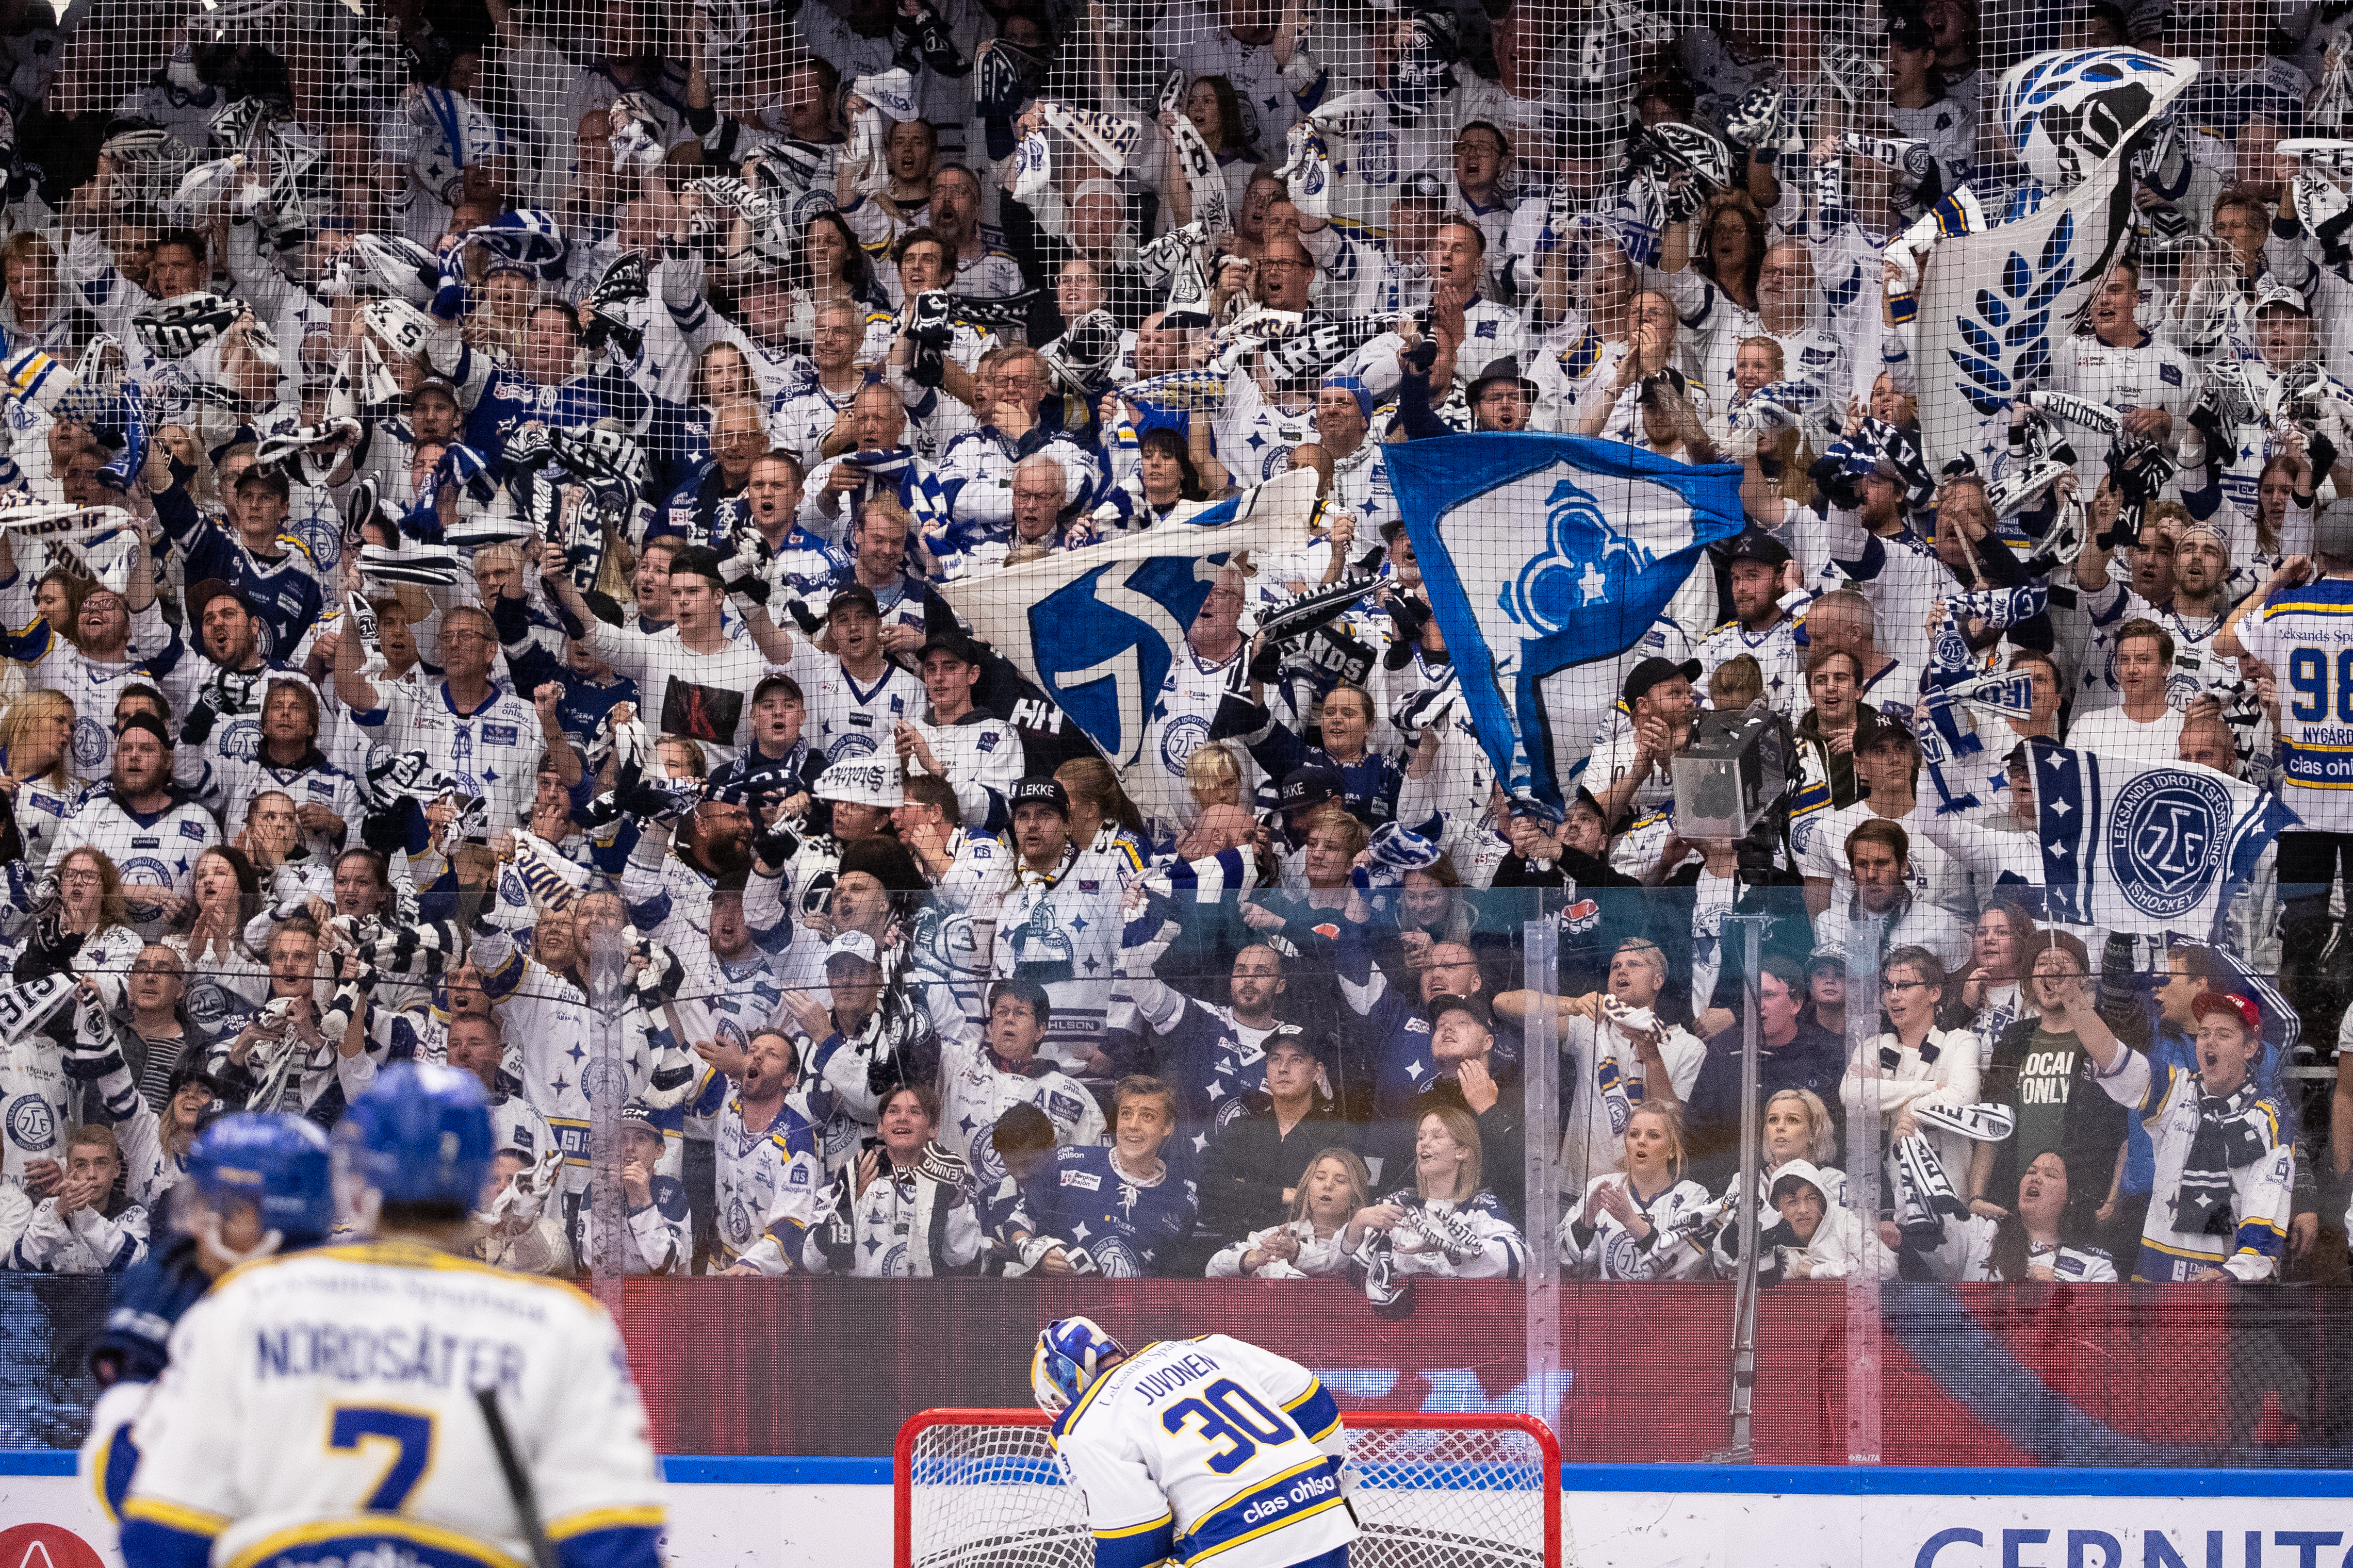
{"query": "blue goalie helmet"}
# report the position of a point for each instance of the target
(281, 1164)
(1072, 1353)
(419, 1134)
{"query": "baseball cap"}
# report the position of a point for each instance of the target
(951, 642)
(1875, 728)
(852, 944)
(1039, 790)
(440, 383)
(211, 588)
(1308, 787)
(856, 594)
(1506, 368)
(1755, 545)
(1655, 671)
(2239, 1008)
(2271, 291)
(1449, 1003)
(1831, 957)
(1910, 32)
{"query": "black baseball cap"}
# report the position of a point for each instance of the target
(211, 588)
(440, 383)
(1449, 1003)
(1038, 789)
(1308, 787)
(1506, 368)
(1755, 545)
(1907, 31)
(856, 593)
(951, 642)
(1655, 671)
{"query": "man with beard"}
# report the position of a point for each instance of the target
(95, 665)
(150, 827)
(1756, 563)
(221, 695)
(673, 872)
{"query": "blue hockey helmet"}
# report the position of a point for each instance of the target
(282, 1165)
(1072, 1353)
(420, 1134)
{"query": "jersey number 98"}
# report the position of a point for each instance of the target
(2307, 675)
(1226, 1411)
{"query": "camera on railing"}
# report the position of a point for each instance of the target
(1731, 776)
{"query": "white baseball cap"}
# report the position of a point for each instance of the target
(853, 944)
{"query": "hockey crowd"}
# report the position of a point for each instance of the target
(484, 486)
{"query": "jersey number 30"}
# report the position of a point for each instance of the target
(410, 1433)
(1227, 1412)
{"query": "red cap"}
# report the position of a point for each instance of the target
(2238, 1008)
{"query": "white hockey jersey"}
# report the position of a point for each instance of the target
(1195, 1449)
(324, 1403)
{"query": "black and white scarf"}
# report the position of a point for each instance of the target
(2232, 1134)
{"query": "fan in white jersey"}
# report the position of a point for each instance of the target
(1197, 1448)
(321, 1407)
(857, 696)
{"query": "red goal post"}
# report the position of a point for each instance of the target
(982, 1488)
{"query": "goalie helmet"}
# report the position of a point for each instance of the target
(1072, 1353)
(176, 329)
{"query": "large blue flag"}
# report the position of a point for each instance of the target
(1546, 558)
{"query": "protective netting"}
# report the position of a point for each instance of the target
(1427, 1495)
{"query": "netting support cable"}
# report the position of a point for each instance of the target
(1743, 1449)
(1862, 1139)
(1540, 1081)
(606, 1081)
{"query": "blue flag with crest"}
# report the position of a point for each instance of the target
(1546, 558)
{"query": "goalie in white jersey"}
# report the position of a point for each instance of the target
(321, 1409)
(1197, 1448)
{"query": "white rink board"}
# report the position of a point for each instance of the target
(791, 1524)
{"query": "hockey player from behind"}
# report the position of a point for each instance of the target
(321, 1408)
(1197, 1448)
(255, 1186)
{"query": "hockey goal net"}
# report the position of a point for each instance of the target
(983, 1489)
